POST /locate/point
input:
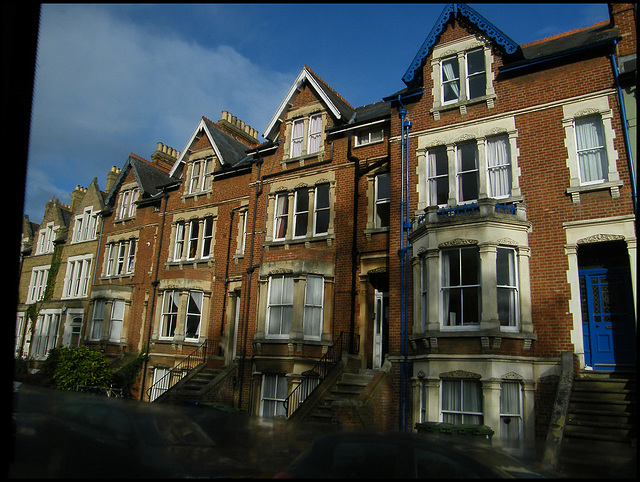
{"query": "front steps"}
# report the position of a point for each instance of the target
(345, 390)
(601, 426)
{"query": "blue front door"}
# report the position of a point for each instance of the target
(608, 321)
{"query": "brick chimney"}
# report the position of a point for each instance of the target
(112, 176)
(238, 129)
(164, 157)
(76, 197)
(623, 16)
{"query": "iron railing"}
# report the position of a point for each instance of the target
(314, 377)
(178, 372)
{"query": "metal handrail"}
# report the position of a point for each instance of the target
(315, 376)
(178, 372)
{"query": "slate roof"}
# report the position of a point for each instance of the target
(148, 177)
(232, 150)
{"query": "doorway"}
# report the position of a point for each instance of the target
(380, 327)
(608, 320)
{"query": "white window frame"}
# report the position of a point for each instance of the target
(297, 141)
(282, 217)
(469, 76)
(513, 324)
(312, 332)
(200, 175)
(46, 238)
(169, 317)
(512, 416)
(300, 217)
(447, 288)
(321, 210)
(285, 301)
(117, 320)
(372, 135)
(178, 245)
(601, 148)
(434, 178)
(192, 243)
(38, 283)
(382, 200)
(76, 280)
(97, 320)
(45, 336)
(468, 172)
(85, 225)
(314, 143)
(131, 256)
(461, 412)
(127, 207)
(492, 171)
(207, 238)
(193, 294)
(572, 111)
(276, 398)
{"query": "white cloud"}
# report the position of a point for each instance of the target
(106, 87)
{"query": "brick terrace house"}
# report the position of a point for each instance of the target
(453, 239)
(522, 218)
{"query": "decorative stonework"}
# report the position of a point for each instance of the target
(458, 242)
(512, 376)
(600, 238)
(460, 374)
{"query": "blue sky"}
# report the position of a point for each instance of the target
(115, 79)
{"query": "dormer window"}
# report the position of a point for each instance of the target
(472, 66)
(305, 135)
(201, 175)
(84, 228)
(128, 198)
(46, 238)
(369, 136)
(461, 75)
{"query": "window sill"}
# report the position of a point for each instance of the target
(208, 262)
(195, 195)
(315, 156)
(369, 144)
(117, 277)
(613, 186)
(462, 105)
(328, 238)
(429, 339)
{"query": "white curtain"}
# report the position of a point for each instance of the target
(507, 286)
(194, 314)
(274, 391)
(510, 412)
(450, 80)
(169, 313)
(315, 133)
(314, 294)
(282, 207)
(446, 281)
(433, 180)
(280, 305)
(499, 165)
(592, 156)
(461, 402)
(98, 317)
(296, 138)
(117, 317)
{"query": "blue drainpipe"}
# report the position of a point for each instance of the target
(403, 252)
(625, 126)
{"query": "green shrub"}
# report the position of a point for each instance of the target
(79, 365)
(127, 375)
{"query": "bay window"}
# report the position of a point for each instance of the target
(460, 287)
(507, 283)
(438, 176)
(117, 319)
(467, 171)
(274, 393)
(462, 402)
(280, 307)
(301, 212)
(511, 431)
(281, 216)
(97, 320)
(321, 209)
(169, 316)
(313, 307)
(499, 166)
(194, 315)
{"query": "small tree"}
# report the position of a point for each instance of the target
(79, 365)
